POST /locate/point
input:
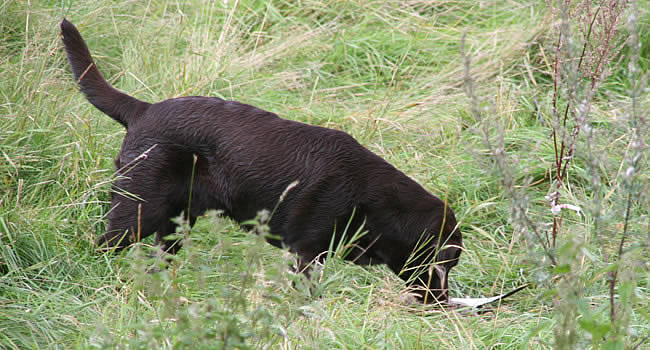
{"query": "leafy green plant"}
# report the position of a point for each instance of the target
(586, 51)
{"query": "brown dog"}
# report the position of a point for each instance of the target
(240, 159)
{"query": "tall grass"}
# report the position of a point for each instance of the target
(391, 73)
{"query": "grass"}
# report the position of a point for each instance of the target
(391, 74)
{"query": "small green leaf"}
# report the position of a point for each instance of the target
(613, 345)
(562, 269)
(597, 331)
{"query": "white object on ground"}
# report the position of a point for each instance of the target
(477, 303)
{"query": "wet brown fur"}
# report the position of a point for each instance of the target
(245, 158)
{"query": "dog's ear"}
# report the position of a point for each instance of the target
(448, 255)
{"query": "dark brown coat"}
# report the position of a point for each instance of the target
(245, 159)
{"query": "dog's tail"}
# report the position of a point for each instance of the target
(119, 106)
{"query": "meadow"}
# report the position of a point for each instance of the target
(529, 118)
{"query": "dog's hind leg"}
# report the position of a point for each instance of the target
(130, 221)
(147, 194)
(135, 216)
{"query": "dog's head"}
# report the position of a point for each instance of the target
(431, 282)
